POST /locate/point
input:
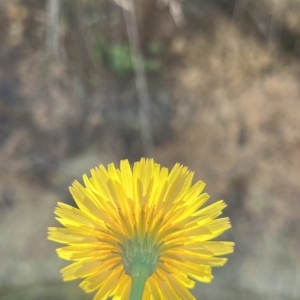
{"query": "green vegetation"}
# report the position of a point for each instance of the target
(118, 56)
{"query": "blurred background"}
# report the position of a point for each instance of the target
(211, 84)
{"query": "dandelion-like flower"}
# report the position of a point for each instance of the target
(140, 233)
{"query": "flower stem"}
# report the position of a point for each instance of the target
(139, 278)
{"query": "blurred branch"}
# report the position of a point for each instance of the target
(175, 10)
(53, 7)
(139, 75)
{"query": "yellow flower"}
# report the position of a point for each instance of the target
(140, 231)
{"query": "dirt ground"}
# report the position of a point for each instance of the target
(224, 99)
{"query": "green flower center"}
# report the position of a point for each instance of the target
(138, 256)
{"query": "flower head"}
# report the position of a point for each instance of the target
(141, 228)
